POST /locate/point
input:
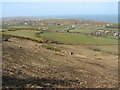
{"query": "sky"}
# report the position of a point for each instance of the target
(10, 9)
(59, 0)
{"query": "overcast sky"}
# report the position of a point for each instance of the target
(59, 8)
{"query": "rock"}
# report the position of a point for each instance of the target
(20, 46)
(71, 53)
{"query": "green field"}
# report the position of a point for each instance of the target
(66, 38)
(20, 27)
(89, 29)
(74, 38)
(24, 33)
(3, 30)
(85, 29)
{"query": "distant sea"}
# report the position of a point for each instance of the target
(103, 18)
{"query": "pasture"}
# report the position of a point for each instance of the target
(74, 38)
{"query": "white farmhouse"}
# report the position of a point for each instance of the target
(26, 23)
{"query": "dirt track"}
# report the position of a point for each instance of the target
(27, 64)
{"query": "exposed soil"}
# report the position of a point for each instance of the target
(27, 64)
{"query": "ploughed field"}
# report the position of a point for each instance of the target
(59, 53)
